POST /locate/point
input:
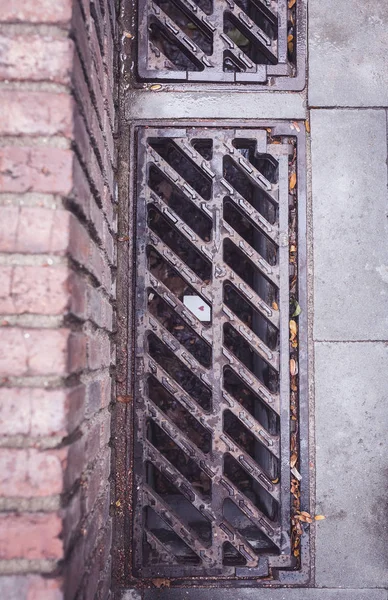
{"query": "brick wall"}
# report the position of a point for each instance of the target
(57, 268)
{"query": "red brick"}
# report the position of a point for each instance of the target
(36, 58)
(98, 351)
(78, 295)
(30, 473)
(36, 170)
(32, 351)
(36, 11)
(30, 536)
(39, 412)
(36, 113)
(34, 230)
(30, 587)
(30, 289)
(77, 352)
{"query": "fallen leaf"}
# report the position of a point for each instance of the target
(160, 582)
(118, 503)
(305, 514)
(297, 310)
(293, 366)
(293, 460)
(290, 38)
(124, 399)
(307, 124)
(319, 517)
(275, 480)
(293, 248)
(275, 306)
(290, 46)
(127, 35)
(291, 3)
(295, 124)
(296, 473)
(155, 87)
(292, 181)
(293, 329)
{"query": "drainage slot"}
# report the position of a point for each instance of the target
(252, 47)
(173, 544)
(250, 488)
(175, 199)
(177, 57)
(251, 402)
(261, 16)
(179, 504)
(179, 459)
(256, 538)
(181, 163)
(179, 244)
(181, 417)
(183, 333)
(178, 371)
(248, 442)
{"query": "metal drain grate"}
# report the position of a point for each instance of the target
(218, 40)
(212, 352)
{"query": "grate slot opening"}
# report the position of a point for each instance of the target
(175, 199)
(241, 36)
(177, 58)
(253, 194)
(179, 459)
(181, 506)
(205, 5)
(265, 163)
(247, 442)
(178, 371)
(258, 541)
(261, 15)
(186, 168)
(178, 244)
(204, 147)
(231, 556)
(251, 234)
(251, 402)
(244, 352)
(192, 27)
(178, 328)
(251, 317)
(181, 417)
(250, 488)
(168, 538)
(245, 268)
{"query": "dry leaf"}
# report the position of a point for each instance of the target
(275, 480)
(293, 329)
(160, 582)
(291, 3)
(296, 125)
(127, 35)
(155, 87)
(319, 517)
(293, 460)
(275, 306)
(293, 248)
(296, 473)
(292, 181)
(124, 399)
(293, 367)
(307, 124)
(290, 38)
(290, 46)
(305, 514)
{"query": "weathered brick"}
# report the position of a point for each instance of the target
(36, 11)
(32, 351)
(30, 289)
(30, 587)
(35, 113)
(30, 473)
(34, 230)
(30, 536)
(76, 352)
(98, 350)
(39, 412)
(36, 58)
(36, 170)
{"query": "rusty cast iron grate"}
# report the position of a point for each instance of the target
(246, 41)
(212, 408)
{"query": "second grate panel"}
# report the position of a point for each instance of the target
(213, 402)
(226, 41)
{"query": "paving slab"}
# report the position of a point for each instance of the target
(349, 186)
(348, 47)
(351, 464)
(215, 105)
(267, 594)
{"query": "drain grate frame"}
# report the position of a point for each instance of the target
(264, 52)
(280, 566)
